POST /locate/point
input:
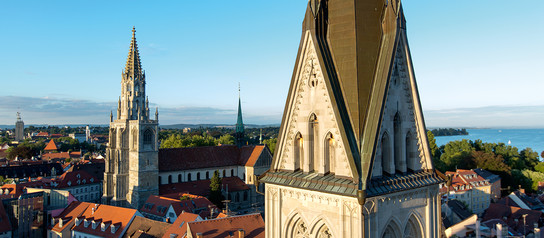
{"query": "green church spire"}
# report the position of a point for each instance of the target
(239, 133)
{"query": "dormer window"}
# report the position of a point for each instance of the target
(92, 180)
(95, 224)
(69, 183)
(78, 176)
(84, 181)
(86, 223)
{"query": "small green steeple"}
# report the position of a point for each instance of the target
(239, 133)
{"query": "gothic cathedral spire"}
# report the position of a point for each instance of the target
(131, 173)
(239, 133)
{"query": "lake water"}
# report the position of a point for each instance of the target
(520, 138)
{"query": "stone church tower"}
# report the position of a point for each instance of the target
(352, 158)
(132, 154)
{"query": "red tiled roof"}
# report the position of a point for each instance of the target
(255, 152)
(146, 228)
(206, 157)
(11, 190)
(193, 205)
(253, 226)
(43, 134)
(499, 211)
(75, 178)
(68, 215)
(200, 187)
(4, 220)
(157, 205)
(51, 146)
(179, 227)
(105, 214)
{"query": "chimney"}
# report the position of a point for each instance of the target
(199, 235)
(241, 233)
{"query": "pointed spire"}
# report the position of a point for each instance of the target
(133, 67)
(239, 122)
(111, 116)
(157, 114)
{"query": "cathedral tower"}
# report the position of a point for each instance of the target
(19, 128)
(352, 158)
(132, 154)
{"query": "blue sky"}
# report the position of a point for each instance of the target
(61, 61)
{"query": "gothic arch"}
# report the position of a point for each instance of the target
(413, 227)
(149, 137)
(321, 228)
(298, 151)
(388, 165)
(392, 229)
(296, 226)
(329, 155)
(312, 139)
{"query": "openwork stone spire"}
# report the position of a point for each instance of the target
(133, 66)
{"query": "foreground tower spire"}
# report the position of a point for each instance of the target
(131, 173)
(352, 141)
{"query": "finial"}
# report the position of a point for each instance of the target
(238, 89)
(157, 114)
(111, 116)
(133, 30)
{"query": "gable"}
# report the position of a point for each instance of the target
(310, 137)
(401, 140)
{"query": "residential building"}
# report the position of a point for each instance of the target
(248, 226)
(61, 224)
(494, 180)
(232, 188)
(178, 229)
(83, 186)
(470, 188)
(33, 169)
(520, 220)
(26, 214)
(352, 157)
(144, 227)
(103, 221)
(168, 209)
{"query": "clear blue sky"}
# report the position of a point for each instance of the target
(61, 61)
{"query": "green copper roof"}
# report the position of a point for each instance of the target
(239, 122)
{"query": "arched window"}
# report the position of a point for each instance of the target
(328, 156)
(198, 176)
(189, 177)
(387, 159)
(312, 137)
(400, 163)
(169, 179)
(148, 137)
(412, 229)
(298, 151)
(232, 172)
(179, 178)
(207, 175)
(411, 152)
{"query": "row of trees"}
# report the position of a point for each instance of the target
(449, 132)
(180, 141)
(515, 167)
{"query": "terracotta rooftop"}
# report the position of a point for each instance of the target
(61, 155)
(513, 215)
(43, 134)
(144, 228)
(106, 219)
(253, 226)
(200, 187)
(157, 205)
(51, 146)
(68, 216)
(208, 157)
(179, 227)
(75, 178)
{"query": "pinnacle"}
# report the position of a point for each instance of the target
(133, 66)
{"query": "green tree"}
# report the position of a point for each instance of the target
(540, 167)
(215, 189)
(173, 141)
(226, 139)
(529, 157)
(489, 161)
(271, 143)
